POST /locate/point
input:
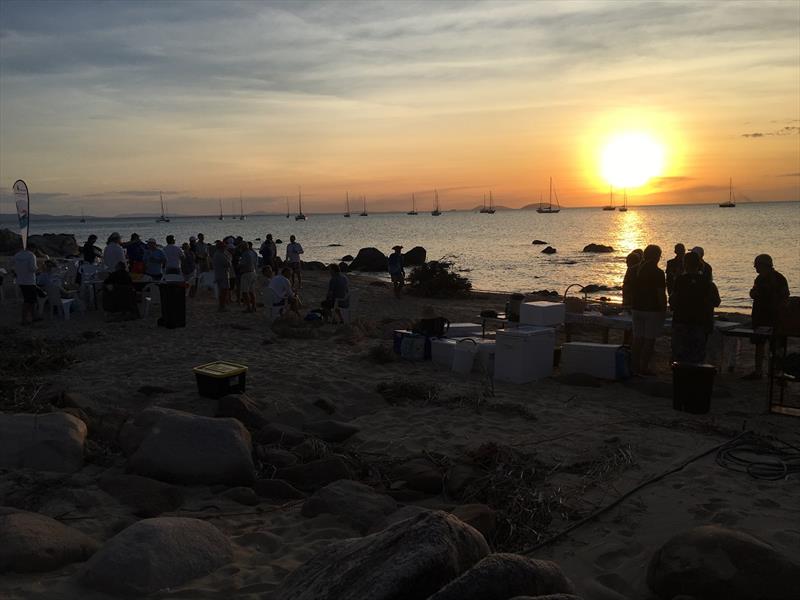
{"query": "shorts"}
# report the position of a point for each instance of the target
(248, 282)
(294, 266)
(28, 294)
(648, 324)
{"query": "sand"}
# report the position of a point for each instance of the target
(591, 443)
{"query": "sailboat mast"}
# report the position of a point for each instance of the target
(300, 199)
(413, 202)
(550, 196)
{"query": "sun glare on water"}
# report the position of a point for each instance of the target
(630, 159)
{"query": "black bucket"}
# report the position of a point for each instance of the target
(692, 385)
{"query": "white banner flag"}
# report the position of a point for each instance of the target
(23, 209)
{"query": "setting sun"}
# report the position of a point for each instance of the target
(630, 159)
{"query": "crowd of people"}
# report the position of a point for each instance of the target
(687, 288)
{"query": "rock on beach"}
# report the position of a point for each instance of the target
(369, 259)
(357, 504)
(601, 248)
(44, 442)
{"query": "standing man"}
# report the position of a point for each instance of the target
(396, 271)
(675, 267)
(154, 260)
(705, 268)
(269, 252)
(649, 309)
(770, 292)
(221, 262)
(174, 255)
(135, 249)
(25, 271)
(248, 262)
(293, 252)
(201, 253)
(114, 253)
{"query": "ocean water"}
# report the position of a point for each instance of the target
(495, 251)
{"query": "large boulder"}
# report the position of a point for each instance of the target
(55, 244)
(715, 563)
(597, 248)
(317, 473)
(419, 474)
(409, 560)
(33, 543)
(146, 497)
(44, 442)
(313, 265)
(347, 258)
(502, 576)
(184, 448)
(549, 250)
(479, 516)
(355, 503)
(10, 242)
(369, 259)
(415, 257)
(155, 554)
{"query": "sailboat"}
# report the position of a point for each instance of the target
(241, 208)
(83, 217)
(436, 212)
(221, 217)
(299, 216)
(610, 205)
(364, 212)
(731, 203)
(163, 218)
(413, 210)
(483, 208)
(549, 208)
(287, 208)
(347, 205)
(490, 210)
(624, 207)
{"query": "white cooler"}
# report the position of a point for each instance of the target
(542, 314)
(487, 353)
(442, 351)
(606, 361)
(524, 354)
(461, 330)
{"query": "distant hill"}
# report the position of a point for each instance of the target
(497, 207)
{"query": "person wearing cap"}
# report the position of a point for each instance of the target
(705, 268)
(113, 252)
(770, 293)
(396, 271)
(174, 256)
(675, 267)
(135, 249)
(293, 252)
(154, 260)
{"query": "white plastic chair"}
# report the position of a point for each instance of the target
(56, 303)
(270, 310)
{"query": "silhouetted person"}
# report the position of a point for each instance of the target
(693, 301)
(396, 270)
(769, 293)
(649, 309)
(633, 260)
(675, 267)
(705, 268)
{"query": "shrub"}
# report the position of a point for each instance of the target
(438, 279)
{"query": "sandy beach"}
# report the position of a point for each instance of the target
(574, 444)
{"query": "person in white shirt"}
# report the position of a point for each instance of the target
(174, 256)
(284, 293)
(25, 271)
(114, 253)
(293, 252)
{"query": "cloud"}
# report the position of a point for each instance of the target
(788, 175)
(788, 130)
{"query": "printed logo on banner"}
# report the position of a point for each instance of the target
(23, 209)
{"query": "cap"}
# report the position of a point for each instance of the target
(397, 247)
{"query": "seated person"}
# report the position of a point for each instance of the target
(284, 293)
(338, 294)
(119, 295)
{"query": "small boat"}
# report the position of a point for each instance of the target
(549, 209)
(413, 210)
(436, 212)
(347, 205)
(490, 210)
(241, 208)
(610, 205)
(299, 216)
(221, 217)
(483, 208)
(163, 218)
(364, 212)
(624, 207)
(731, 203)
(287, 207)
(83, 217)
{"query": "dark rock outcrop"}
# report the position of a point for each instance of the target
(419, 474)
(244, 409)
(56, 245)
(33, 543)
(355, 503)
(313, 265)
(597, 248)
(45, 442)
(409, 560)
(147, 497)
(415, 257)
(347, 258)
(10, 242)
(538, 243)
(369, 259)
(715, 563)
(549, 250)
(502, 576)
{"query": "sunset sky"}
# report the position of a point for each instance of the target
(104, 104)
